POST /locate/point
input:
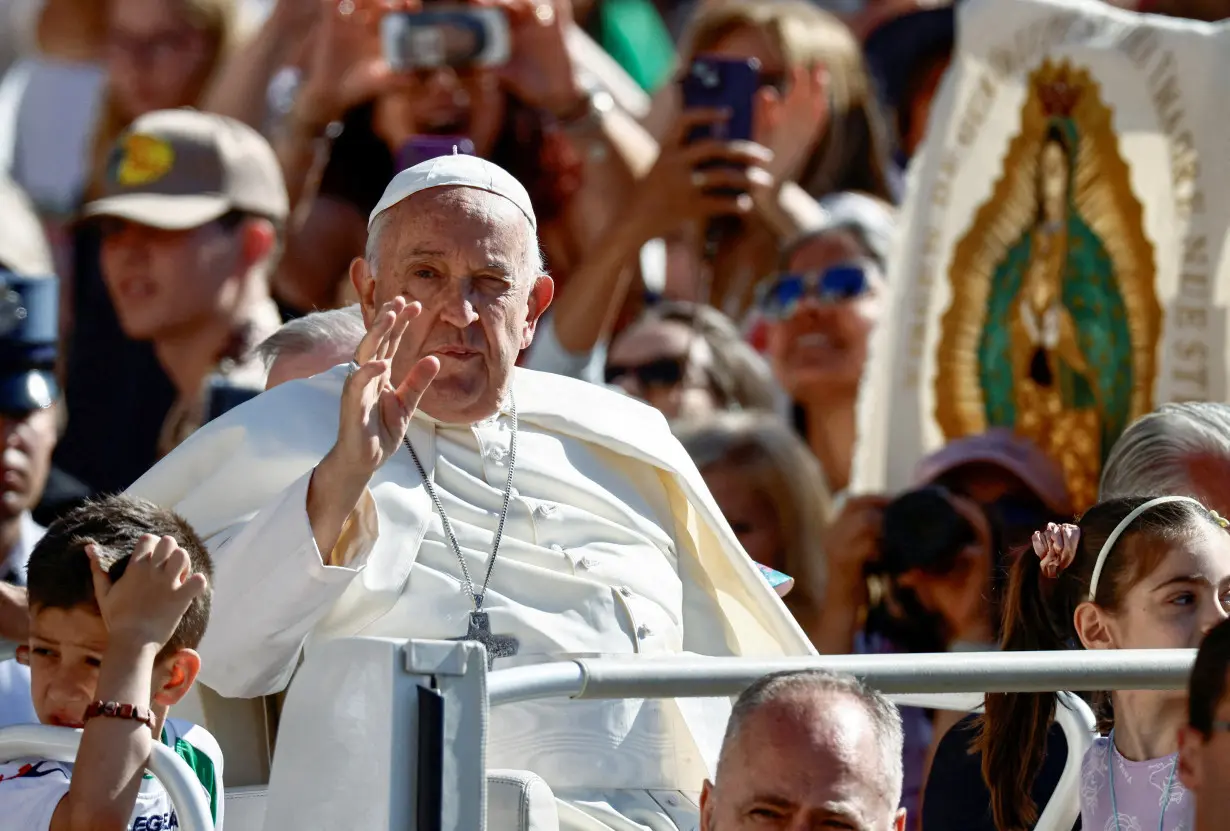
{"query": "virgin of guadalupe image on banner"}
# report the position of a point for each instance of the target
(1057, 269)
(1053, 321)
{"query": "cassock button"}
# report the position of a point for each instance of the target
(513, 493)
(495, 454)
(625, 591)
(545, 510)
(557, 548)
(586, 562)
(643, 631)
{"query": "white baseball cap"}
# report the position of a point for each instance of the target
(457, 170)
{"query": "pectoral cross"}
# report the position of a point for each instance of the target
(498, 646)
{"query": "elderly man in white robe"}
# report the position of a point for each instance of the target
(431, 489)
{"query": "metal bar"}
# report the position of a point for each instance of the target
(565, 679)
(60, 744)
(970, 672)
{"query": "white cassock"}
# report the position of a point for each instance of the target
(612, 547)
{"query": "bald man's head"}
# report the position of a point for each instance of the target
(803, 748)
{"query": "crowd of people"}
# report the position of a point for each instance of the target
(307, 309)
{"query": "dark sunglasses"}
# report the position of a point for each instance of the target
(782, 294)
(664, 372)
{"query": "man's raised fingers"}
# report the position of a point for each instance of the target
(416, 382)
(406, 315)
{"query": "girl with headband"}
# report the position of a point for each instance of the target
(1135, 573)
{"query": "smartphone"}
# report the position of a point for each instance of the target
(445, 35)
(423, 148)
(723, 83)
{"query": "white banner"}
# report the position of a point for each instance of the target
(1062, 242)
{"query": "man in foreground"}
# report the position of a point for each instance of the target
(437, 492)
(1204, 744)
(808, 749)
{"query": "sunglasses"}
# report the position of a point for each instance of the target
(782, 295)
(664, 372)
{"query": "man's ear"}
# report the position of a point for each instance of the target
(1094, 626)
(706, 807)
(899, 820)
(1191, 750)
(23, 655)
(175, 675)
(364, 281)
(541, 294)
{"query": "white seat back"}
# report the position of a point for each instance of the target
(518, 800)
(60, 744)
(245, 808)
(1079, 727)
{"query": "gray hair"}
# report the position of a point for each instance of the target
(884, 716)
(371, 252)
(338, 328)
(1151, 455)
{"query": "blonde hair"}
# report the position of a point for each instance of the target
(853, 153)
(219, 21)
(772, 460)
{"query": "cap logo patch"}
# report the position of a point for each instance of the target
(143, 160)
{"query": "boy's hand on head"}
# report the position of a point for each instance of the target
(145, 605)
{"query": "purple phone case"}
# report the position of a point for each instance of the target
(422, 148)
(723, 83)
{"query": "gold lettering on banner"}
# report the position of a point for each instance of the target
(973, 118)
(1189, 319)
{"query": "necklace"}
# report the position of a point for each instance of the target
(479, 629)
(1114, 803)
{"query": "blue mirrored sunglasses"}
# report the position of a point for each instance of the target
(783, 293)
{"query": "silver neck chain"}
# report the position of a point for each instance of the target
(468, 586)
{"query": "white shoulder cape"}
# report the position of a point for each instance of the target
(234, 466)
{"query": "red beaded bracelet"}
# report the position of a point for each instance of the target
(114, 709)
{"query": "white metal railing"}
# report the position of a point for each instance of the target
(60, 744)
(966, 672)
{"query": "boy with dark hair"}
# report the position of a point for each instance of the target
(119, 600)
(1204, 744)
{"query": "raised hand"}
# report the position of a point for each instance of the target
(701, 180)
(345, 65)
(540, 70)
(145, 604)
(376, 408)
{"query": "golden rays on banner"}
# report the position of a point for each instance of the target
(1054, 319)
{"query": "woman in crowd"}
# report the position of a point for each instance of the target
(355, 122)
(771, 492)
(817, 114)
(818, 131)
(688, 361)
(1135, 573)
(814, 320)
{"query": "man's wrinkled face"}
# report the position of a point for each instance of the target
(469, 257)
(803, 762)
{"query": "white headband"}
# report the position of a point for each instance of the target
(1123, 526)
